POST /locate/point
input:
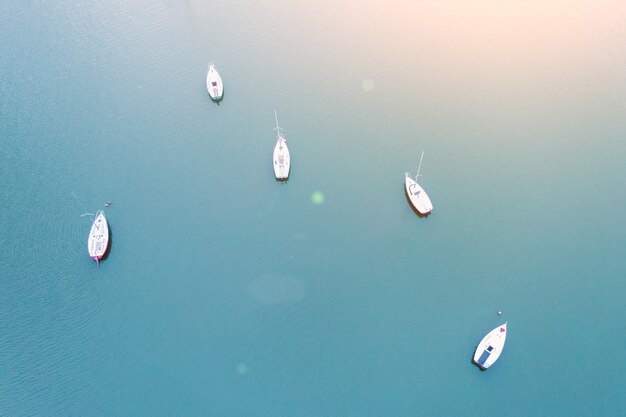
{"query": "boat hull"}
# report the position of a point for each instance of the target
(98, 241)
(417, 196)
(489, 349)
(282, 160)
(214, 84)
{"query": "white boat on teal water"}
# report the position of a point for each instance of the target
(214, 84)
(98, 241)
(282, 159)
(417, 196)
(490, 348)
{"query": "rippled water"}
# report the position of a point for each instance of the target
(229, 294)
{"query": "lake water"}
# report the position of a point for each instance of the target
(228, 294)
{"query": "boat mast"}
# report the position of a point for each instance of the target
(277, 128)
(83, 207)
(418, 168)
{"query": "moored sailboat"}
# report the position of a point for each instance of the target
(214, 84)
(98, 241)
(282, 159)
(417, 196)
(489, 349)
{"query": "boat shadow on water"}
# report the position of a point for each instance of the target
(408, 200)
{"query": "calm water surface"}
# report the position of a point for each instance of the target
(228, 294)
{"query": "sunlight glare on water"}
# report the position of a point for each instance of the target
(226, 293)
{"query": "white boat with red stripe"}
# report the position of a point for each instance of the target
(98, 241)
(490, 348)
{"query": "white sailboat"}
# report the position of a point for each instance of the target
(214, 84)
(98, 241)
(418, 197)
(490, 348)
(282, 160)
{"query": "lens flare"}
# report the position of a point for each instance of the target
(242, 368)
(318, 198)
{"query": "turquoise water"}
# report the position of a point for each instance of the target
(229, 294)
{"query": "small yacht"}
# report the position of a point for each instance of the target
(214, 84)
(282, 160)
(490, 348)
(418, 197)
(98, 241)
